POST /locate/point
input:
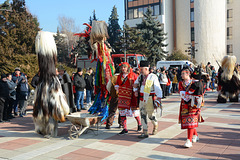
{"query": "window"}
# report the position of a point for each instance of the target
(117, 61)
(140, 12)
(229, 49)
(192, 15)
(130, 14)
(192, 34)
(229, 1)
(135, 11)
(152, 10)
(161, 8)
(229, 33)
(145, 10)
(156, 10)
(130, 0)
(132, 61)
(140, 58)
(229, 15)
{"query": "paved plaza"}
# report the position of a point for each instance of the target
(219, 137)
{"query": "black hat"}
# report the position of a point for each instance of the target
(79, 69)
(144, 63)
(197, 73)
(3, 76)
(17, 69)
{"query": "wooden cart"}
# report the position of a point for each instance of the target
(82, 122)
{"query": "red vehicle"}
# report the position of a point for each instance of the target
(132, 59)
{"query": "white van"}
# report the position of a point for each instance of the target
(173, 64)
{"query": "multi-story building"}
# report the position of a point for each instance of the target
(202, 23)
(134, 10)
(211, 26)
(233, 25)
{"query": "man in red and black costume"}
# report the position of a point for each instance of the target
(127, 102)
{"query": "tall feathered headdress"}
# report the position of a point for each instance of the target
(104, 69)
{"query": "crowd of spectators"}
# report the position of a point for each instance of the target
(77, 88)
(170, 77)
(14, 93)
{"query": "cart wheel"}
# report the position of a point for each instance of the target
(74, 131)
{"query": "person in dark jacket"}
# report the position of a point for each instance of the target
(171, 76)
(12, 94)
(80, 84)
(22, 95)
(67, 87)
(4, 95)
(17, 76)
(89, 86)
(35, 80)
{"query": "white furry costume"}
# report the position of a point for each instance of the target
(229, 80)
(50, 102)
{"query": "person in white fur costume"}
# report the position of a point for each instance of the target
(228, 80)
(50, 102)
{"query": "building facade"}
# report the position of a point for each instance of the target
(210, 26)
(233, 31)
(202, 23)
(134, 10)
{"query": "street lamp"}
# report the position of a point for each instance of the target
(191, 50)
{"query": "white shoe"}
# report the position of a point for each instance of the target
(188, 144)
(195, 138)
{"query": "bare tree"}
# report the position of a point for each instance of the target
(68, 27)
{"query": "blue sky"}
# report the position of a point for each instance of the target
(48, 11)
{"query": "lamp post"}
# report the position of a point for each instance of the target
(191, 50)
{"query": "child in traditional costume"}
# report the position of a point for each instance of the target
(191, 92)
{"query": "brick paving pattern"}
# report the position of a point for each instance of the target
(219, 137)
